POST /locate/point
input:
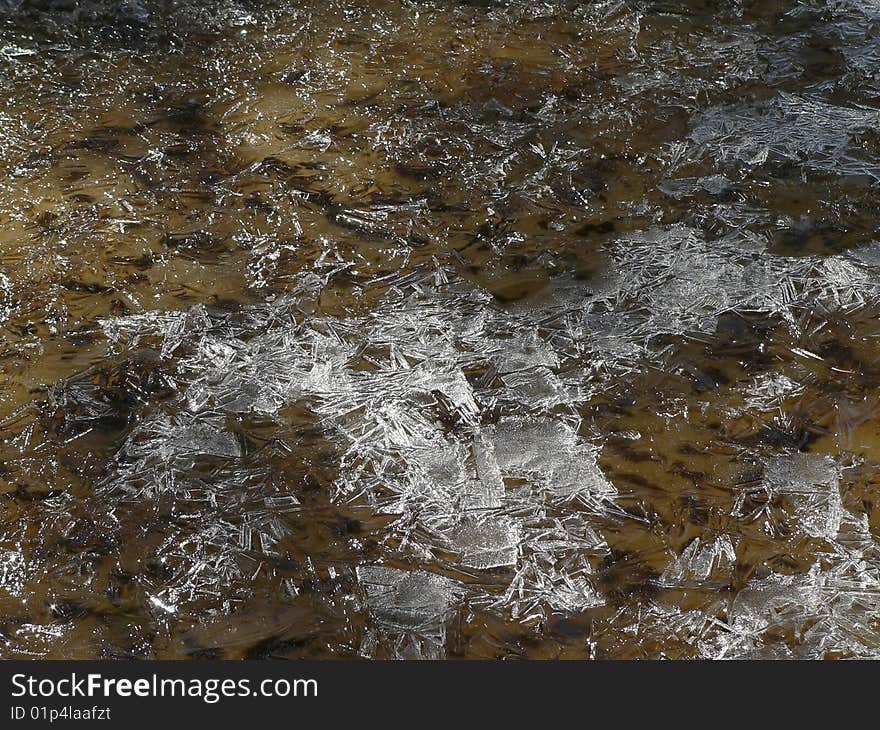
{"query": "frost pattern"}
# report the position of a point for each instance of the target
(326, 334)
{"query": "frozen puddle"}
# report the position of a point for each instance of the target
(326, 336)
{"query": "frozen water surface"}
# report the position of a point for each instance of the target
(439, 329)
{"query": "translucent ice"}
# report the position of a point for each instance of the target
(812, 483)
(407, 599)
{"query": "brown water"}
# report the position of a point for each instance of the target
(439, 329)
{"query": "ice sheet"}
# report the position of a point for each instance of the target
(439, 329)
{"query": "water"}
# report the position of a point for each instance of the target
(439, 329)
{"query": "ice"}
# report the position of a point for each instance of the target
(487, 491)
(38, 640)
(419, 444)
(539, 587)
(12, 571)
(446, 491)
(768, 391)
(523, 353)
(548, 451)
(811, 482)
(579, 473)
(672, 281)
(851, 22)
(791, 127)
(553, 573)
(530, 446)
(486, 542)
(565, 329)
(773, 602)
(182, 438)
(717, 185)
(699, 561)
(868, 255)
(407, 599)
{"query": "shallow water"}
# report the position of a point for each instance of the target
(439, 329)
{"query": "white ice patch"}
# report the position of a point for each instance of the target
(549, 452)
(700, 560)
(811, 483)
(486, 542)
(408, 599)
(797, 128)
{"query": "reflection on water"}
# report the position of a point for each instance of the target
(439, 329)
